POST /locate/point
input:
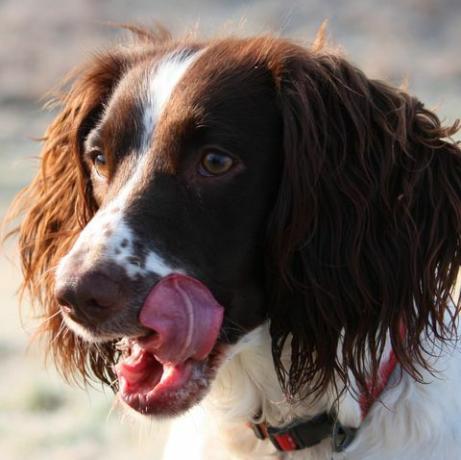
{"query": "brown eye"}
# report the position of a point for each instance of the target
(99, 163)
(215, 164)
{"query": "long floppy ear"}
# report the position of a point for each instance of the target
(59, 201)
(57, 205)
(364, 238)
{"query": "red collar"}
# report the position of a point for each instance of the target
(301, 434)
(373, 392)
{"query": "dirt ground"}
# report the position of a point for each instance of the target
(413, 40)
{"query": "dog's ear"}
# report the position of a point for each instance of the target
(57, 205)
(364, 238)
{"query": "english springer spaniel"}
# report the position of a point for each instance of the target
(258, 226)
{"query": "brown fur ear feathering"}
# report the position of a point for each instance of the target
(364, 237)
(49, 227)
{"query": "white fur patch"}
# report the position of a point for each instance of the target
(162, 81)
(107, 237)
(412, 421)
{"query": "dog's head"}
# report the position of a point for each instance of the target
(190, 191)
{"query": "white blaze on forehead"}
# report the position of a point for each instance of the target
(162, 81)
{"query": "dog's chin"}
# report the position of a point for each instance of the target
(162, 389)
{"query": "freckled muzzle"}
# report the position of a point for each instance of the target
(102, 282)
(169, 329)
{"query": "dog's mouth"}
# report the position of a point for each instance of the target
(169, 370)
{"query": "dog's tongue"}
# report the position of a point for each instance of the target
(185, 317)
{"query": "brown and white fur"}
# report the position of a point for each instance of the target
(336, 227)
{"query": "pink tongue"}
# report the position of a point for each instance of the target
(185, 316)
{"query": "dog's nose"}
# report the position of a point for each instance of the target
(95, 293)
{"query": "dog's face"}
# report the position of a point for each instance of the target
(188, 192)
(183, 163)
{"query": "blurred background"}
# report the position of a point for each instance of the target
(417, 41)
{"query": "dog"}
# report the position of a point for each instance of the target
(256, 226)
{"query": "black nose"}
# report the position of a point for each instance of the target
(94, 294)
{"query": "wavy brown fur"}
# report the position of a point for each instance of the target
(59, 203)
(364, 236)
(365, 233)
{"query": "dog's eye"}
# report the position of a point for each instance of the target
(215, 163)
(99, 162)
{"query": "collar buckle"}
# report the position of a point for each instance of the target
(342, 436)
(302, 434)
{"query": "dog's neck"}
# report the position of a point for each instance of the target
(247, 390)
(247, 385)
(411, 420)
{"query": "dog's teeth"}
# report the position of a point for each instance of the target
(135, 350)
(124, 346)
